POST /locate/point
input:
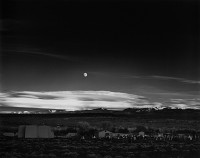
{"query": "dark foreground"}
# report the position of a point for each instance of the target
(97, 148)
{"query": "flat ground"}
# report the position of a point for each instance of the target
(15, 121)
(98, 148)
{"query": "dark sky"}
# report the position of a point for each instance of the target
(128, 46)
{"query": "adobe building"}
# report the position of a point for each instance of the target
(34, 131)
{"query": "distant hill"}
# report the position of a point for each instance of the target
(148, 113)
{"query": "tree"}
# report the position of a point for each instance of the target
(83, 127)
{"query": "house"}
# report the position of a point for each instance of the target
(9, 134)
(69, 135)
(141, 133)
(105, 133)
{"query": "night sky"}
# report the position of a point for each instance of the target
(145, 48)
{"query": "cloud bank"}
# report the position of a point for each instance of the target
(86, 100)
(74, 100)
(176, 79)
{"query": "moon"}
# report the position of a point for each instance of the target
(85, 74)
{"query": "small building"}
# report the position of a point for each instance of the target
(141, 133)
(105, 133)
(69, 135)
(181, 135)
(9, 134)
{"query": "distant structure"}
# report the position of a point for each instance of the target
(45, 132)
(34, 131)
(141, 133)
(21, 131)
(123, 135)
(132, 129)
(105, 133)
(31, 131)
(9, 134)
(69, 135)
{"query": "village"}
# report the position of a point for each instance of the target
(104, 139)
(84, 141)
(85, 131)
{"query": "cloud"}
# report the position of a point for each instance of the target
(185, 103)
(176, 79)
(126, 76)
(160, 78)
(86, 100)
(74, 100)
(31, 51)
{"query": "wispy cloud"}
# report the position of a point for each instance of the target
(164, 78)
(127, 76)
(39, 52)
(176, 79)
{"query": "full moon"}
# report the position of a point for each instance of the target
(85, 74)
